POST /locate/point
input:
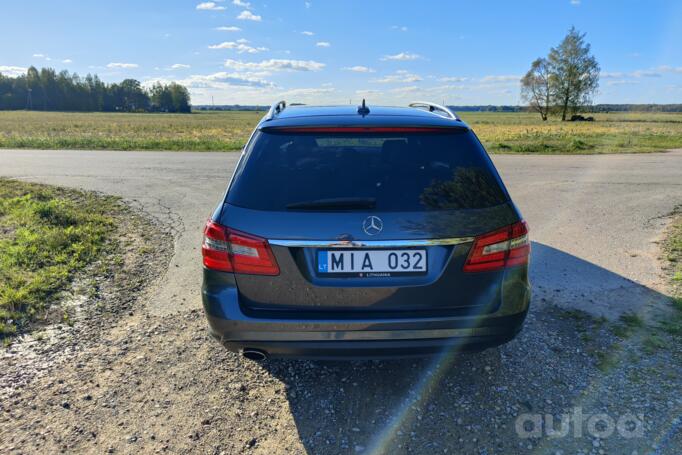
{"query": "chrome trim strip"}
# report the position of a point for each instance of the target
(341, 335)
(369, 243)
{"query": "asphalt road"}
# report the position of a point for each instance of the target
(595, 220)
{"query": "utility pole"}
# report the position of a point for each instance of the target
(29, 100)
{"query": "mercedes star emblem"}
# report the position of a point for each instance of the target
(372, 225)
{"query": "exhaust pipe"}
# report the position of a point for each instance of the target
(254, 354)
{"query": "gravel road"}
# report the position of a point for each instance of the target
(154, 382)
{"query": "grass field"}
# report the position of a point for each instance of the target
(121, 131)
(610, 133)
(47, 236)
(221, 131)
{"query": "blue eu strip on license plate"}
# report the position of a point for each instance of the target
(322, 262)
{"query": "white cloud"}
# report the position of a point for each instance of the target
(657, 72)
(400, 76)
(245, 88)
(575, 2)
(209, 6)
(67, 60)
(621, 82)
(504, 78)
(452, 79)
(402, 56)
(358, 69)
(308, 4)
(122, 65)
(227, 88)
(179, 66)
(645, 73)
(275, 65)
(323, 44)
(403, 90)
(399, 27)
(307, 33)
(446, 88)
(39, 55)
(367, 92)
(231, 28)
(669, 69)
(298, 92)
(241, 3)
(221, 79)
(239, 46)
(247, 15)
(12, 71)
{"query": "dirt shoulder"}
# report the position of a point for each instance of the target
(70, 334)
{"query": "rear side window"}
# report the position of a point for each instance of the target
(359, 171)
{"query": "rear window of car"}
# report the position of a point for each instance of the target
(410, 171)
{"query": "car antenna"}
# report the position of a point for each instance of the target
(363, 110)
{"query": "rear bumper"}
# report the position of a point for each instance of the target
(356, 338)
(372, 344)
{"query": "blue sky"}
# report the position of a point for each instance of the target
(239, 51)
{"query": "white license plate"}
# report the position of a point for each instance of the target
(371, 263)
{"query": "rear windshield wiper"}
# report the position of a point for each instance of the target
(346, 203)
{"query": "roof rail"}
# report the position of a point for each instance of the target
(275, 109)
(434, 107)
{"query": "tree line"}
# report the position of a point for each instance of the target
(636, 108)
(48, 90)
(565, 81)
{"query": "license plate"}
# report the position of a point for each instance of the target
(371, 263)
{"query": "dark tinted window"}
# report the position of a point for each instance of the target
(393, 171)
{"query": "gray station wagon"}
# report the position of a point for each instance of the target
(364, 232)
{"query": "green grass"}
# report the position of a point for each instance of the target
(606, 360)
(673, 325)
(673, 249)
(224, 131)
(577, 315)
(628, 324)
(47, 236)
(654, 342)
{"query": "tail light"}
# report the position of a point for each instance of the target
(227, 250)
(505, 247)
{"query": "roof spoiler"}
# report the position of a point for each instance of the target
(275, 109)
(432, 107)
